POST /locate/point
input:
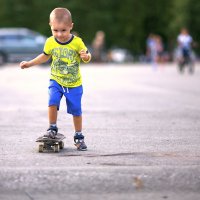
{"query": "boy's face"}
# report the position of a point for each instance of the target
(61, 30)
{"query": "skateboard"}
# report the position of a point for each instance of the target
(49, 144)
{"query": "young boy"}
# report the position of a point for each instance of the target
(66, 51)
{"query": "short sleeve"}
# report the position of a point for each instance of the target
(82, 46)
(46, 49)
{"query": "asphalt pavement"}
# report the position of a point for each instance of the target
(141, 126)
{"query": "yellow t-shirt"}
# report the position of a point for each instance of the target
(65, 66)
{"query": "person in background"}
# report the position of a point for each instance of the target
(154, 50)
(184, 51)
(98, 46)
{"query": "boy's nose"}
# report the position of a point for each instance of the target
(59, 33)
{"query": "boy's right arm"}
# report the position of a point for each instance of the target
(42, 58)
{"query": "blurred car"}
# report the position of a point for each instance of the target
(17, 44)
(119, 55)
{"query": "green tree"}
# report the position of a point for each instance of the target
(194, 21)
(126, 23)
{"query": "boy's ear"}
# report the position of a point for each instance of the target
(72, 25)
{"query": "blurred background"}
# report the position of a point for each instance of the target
(114, 30)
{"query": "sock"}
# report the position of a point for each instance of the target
(53, 125)
(78, 133)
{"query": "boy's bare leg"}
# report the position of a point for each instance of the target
(52, 114)
(77, 123)
(52, 130)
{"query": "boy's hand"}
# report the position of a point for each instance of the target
(24, 64)
(84, 55)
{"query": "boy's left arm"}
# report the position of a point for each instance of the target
(85, 56)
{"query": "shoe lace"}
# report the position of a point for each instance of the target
(78, 138)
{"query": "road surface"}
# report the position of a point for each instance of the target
(142, 128)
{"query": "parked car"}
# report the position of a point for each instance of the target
(17, 44)
(119, 55)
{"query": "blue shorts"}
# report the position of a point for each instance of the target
(73, 97)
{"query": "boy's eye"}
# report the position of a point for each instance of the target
(60, 31)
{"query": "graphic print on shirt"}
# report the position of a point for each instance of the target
(68, 72)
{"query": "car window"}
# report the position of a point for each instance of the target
(28, 41)
(10, 40)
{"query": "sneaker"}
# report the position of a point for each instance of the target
(51, 132)
(79, 142)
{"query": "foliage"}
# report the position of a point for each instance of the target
(126, 23)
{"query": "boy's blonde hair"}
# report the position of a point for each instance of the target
(61, 15)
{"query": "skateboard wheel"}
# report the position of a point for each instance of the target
(61, 144)
(56, 148)
(41, 148)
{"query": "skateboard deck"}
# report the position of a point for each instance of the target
(49, 144)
